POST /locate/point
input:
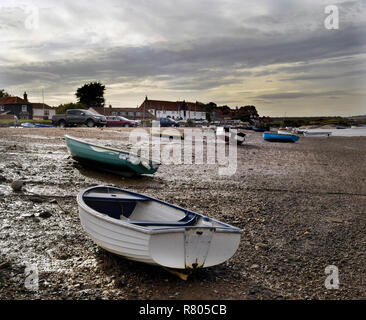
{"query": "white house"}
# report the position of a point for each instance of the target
(42, 111)
(175, 110)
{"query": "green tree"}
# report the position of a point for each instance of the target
(4, 94)
(61, 109)
(91, 94)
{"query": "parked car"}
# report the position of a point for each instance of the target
(168, 122)
(118, 121)
(74, 117)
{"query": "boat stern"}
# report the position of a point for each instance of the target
(193, 247)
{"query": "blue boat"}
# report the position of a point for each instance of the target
(275, 137)
(27, 125)
(36, 125)
(258, 129)
(40, 125)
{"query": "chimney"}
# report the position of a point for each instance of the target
(25, 96)
(110, 106)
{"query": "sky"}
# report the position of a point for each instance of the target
(279, 55)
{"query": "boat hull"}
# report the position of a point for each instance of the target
(108, 159)
(188, 247)
(316, 134)
(257, 129)
(274, 137)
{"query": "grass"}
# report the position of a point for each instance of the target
(10, 123)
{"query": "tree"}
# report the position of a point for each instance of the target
(91, 94)
(4, 94)
(61, 109)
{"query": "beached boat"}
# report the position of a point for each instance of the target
(259, 129)
(283, 132)
(109, 159)
(317, 134)
(145, 229)
(275, 137)
(239, 137)
(40, 125)
(168, 133)
(36, 125)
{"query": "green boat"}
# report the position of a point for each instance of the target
(108, 159)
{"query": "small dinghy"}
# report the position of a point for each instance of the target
(40, 125)
(108, 159)
(275, 137)
(317, 134)
(148, 230)
(259, 129)
(239, 137)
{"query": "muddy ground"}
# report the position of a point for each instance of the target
(302, 207)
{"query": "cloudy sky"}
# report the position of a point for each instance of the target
(274, 54)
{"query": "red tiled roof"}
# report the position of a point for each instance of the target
(170, 105)
(13, 100)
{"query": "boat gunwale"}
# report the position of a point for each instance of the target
(112, 149)
(281, 134)
(124, 223)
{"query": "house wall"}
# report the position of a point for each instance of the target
(38, 114)
(194, 115)
(22, 111)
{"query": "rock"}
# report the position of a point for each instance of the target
(254, 266)
(36, 199)
(45, 214)
(17, 185)
(2, 179)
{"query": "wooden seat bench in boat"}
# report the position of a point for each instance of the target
(115, 205)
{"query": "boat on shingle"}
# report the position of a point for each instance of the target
(317, 134)
(109, 159)
(276, 137)
(145, 229)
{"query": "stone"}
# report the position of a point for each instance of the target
(17, 185)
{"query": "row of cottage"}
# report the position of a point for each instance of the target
(149, 109)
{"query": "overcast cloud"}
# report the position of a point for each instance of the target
(276, 55)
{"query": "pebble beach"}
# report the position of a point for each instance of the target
(301, 206)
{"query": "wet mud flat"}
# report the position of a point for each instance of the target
(302, 207)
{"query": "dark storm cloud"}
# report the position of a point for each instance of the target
(296, 95)
(180, 47)
(194, 58)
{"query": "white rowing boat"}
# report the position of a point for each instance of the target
(316, 134)
(148, 230)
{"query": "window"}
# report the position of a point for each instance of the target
(2, 108)
(130, 113)
(24, 108)
(139, 114)
(46, 112)
(114, 113)
(74, 112)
